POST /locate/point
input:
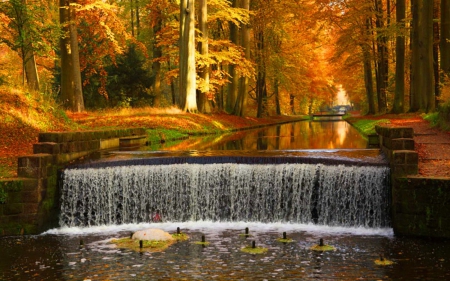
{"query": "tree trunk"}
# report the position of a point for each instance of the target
(234, 79)
(436, 52)
(368, 80)
(29, 61)
(277, 96)
(204, 99)
(382, 57)
(399, 97)
(71, 87)
(261, 89)
(138, 20)
(78, 101)
(445, 37)
(189, 31)
(132, 17)
(415, 101)
(292, 104)
(31, 70)
(183, 55)
(423, 96)
(156, 65)
(242, 100)
(66, 61)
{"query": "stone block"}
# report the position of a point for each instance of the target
(12, 209)
(30, 208)
(34, 166)
(395, 132)
(132, 141)
(402, 170)
(404, 157)
(374, 140)
(109, 143)
(46, 147)
(399, 144)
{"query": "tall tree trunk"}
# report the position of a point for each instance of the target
(204, 101)
(189, 31)
(422, 57)
(66, 61)
(156, 65)
(234, 79)
(132, 17)
(436, 51)
(382, 57)
(183, 54)
(415, 101)
(292, 104)
(368, 79)
(71, 87)
(242, 100)
(31, 70)
(276, 84)
(78, 101)
(261, 89)
(138, 20)
(445, 37)
(28, 59)
(399, 97)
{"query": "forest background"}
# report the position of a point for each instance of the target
(253, 58)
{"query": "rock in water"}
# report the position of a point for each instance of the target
(152, 234)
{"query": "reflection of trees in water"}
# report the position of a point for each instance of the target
(299, 135)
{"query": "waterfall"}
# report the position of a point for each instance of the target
(335, 195)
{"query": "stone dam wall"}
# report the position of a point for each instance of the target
(420, 206)
(29, 204)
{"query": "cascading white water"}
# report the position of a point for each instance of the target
(297, 193)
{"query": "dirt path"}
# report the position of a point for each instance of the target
(432, 145)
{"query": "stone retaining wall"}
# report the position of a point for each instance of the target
(420, 206)
(29, 204)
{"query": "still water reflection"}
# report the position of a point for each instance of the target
(298, 135)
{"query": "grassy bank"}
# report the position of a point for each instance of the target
(24, 115)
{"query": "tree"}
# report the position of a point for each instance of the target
(204, 97)
(24, 35)
(422, 81)
(187, 57)
(399, 99)
(71, 86)
(241, 103)
(382, 63)
(445, 37)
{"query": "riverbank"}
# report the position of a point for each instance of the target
(431, 143)
(161, 125)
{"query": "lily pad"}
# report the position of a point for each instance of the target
(256, 250)
(323, 248)
(287, 240)
(180, 236)
(201, 243)
(383, 262)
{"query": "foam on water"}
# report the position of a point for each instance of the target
(209, 227)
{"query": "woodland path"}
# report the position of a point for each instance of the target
(432, 145)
